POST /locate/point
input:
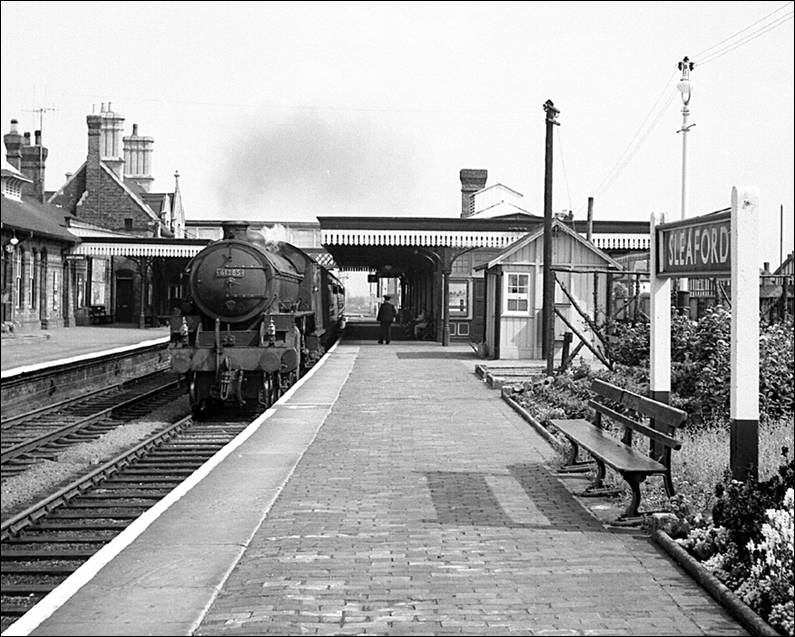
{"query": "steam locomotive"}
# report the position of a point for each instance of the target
(257, 316)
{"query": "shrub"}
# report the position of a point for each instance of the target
(741, 506)
(777, 371)
(748, 544)
(629, 344)
(701, 363)
(769, 587)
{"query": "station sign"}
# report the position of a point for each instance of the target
(695, 247)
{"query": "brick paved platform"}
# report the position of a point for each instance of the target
(422, 504)
(49, 346)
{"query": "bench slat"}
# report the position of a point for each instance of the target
(659, 411)
(660, 437)
(613, 452)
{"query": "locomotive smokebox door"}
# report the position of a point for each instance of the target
(230, 281)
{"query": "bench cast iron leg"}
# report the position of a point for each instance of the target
(598, 481)
(633, 480)
(669, 484)
(575, 451)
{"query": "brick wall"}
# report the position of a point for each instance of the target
(108, 204)
(48, 308)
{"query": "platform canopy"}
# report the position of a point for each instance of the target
(394, 245)
(138, 247)
(406, 244)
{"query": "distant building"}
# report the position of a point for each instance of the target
(111, 189)
(109, 197)
(38, 290)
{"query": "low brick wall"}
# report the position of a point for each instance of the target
(31, 390)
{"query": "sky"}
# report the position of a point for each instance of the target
(290, 111)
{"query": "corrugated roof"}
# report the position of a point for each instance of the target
(41, 219)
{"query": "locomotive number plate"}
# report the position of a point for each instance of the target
(238, 273)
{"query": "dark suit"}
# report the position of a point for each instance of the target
(386, 315)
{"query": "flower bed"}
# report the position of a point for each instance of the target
(740, 534)
(748, 544)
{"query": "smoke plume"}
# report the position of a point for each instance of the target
(305, 165)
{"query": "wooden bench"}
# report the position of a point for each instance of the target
(633, 465)
(97, 315)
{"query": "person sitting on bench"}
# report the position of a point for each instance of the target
(420, 323)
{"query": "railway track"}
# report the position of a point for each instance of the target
(44, 544)
(45, 432)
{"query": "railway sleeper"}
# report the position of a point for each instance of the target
(88, 525)
(68, 514)
(27, 589)
(38, 569)
(71, 554)
(171, 456)
(15, 610)
(143, 491)
(144, 468)
(140, 479)
(124, 495)
(60, 539)
(108, 504)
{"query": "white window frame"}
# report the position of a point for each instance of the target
(506, 296)
(32, 280)
(19, 283)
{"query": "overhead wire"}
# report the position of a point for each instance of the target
(642, 139)
(610, 176)
(750, 37)
(702, 53)
(712, 52)
(563, 165)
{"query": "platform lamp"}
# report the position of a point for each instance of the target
(685, 88)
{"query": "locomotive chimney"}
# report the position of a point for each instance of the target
(235, 229)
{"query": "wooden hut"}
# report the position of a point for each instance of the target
(515, 292)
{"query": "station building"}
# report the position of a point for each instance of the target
(122, 248)
(451, 267)
(36, 243)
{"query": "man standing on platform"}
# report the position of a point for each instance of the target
(386, 315)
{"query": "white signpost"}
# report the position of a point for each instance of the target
(698, 247)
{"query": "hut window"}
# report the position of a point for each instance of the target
(517, 293)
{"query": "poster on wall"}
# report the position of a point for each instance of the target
(459, 298)
(98, 281)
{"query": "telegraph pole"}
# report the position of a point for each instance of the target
(685, 88)
(548, 310)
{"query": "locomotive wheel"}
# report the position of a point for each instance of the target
(264, 395)
(276, 386)
(195, 403)
(271, 389)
